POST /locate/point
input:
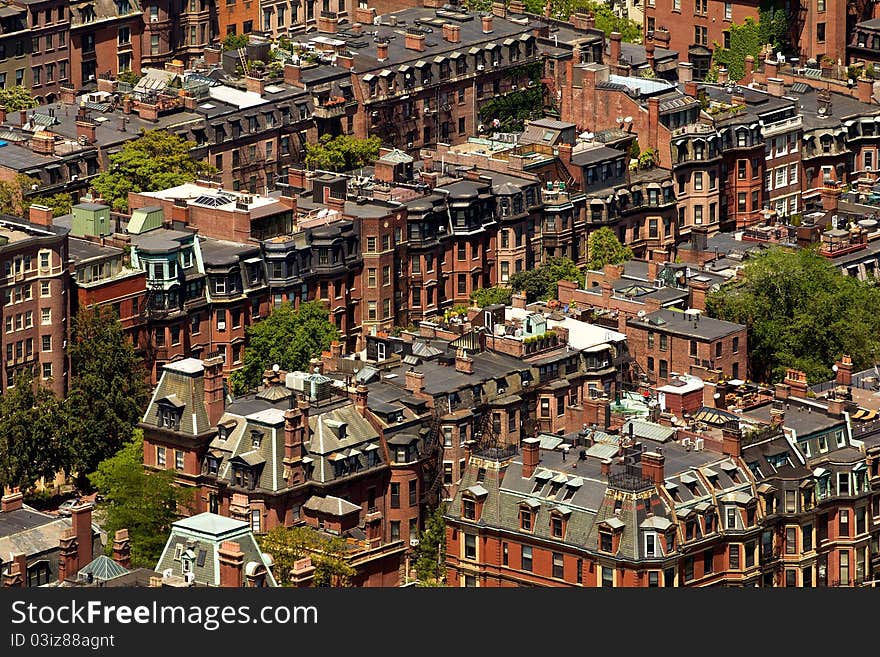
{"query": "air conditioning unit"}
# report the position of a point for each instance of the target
(501, 391)
(867, 168)
(409, 144)
(413, 541)
(496, 63)
(221, 326)
(526, 384)
(480, 67)
(189, 578)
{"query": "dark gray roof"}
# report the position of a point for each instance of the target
(804, 417)
(589, 156)
(183, 380)
(80, 250)
(677, 323)
(220, 252)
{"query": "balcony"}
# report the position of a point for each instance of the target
(786, 125)
(331, 108)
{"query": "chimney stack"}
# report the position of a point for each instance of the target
(530, 456)
(776, 87)
(231, 560)
(614, 48)
(86, 129)
(518, 300)
(452, 32)
(749, 74)
(293, 75)
(11, 502)
(835, 407)
(360, 400)
(15, 576)
(215, 402)
(40, 214)
(865, 89)
(122, 548)
(723, 76)
(781, 391)
(797, 380)
(731, 441)
(255, 84)
(605, 468)
(653, 466)
(844, 371)
(81, 517)
(67, 559)
(415, 40)
(463, 363)
(415, 381)
(649, 52)
(487, 24)
(382, 50)
(2, 113)
(685, 73)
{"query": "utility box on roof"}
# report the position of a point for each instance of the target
(91, 220)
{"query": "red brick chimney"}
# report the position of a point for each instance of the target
(360, 399)
(81, 517)
(499, 9)
(11, 502)
(212, 55)
(835, 407)
(122, 548)
(231, 560)
(255, 84)
(776, 87)
(518, 300)
(327, 23)
(463, 363)
(653, 466)
(15, 577)
(653, 121)
(830, 197)
(87, 129)
(649, 52)
(487, 24)
(415, 381)
(749, 74)
(731, 441)
(605, 468)
(40, 215)
(345, 61)
(690, 88)
(531, 454)
(293, 75)
(865, 89)
(43, 143)
(215, 402)
(451, 32)
(797, 380)
(68, 557)
(699, 290)
(68, 95)
(381, 50)
(771, 68)
(2, 113)
(415, 40)
(781, 391)
(614, 48)
(844, 371)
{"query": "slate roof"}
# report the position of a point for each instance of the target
(201, 536)
(330, 505)
(102, 568)
(183, 380)
(337, 433)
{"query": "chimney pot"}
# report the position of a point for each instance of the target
(530, 456)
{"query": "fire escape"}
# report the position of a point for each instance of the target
(433, 463)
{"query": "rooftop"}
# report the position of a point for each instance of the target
(679, 323)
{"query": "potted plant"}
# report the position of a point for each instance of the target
(827, 66)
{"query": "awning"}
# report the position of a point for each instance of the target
(509, 42)
(421, 63)
(439, 59)
(368, 77)
(456, 55)
(386, 72)
(596, 348)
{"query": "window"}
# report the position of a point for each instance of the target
(395, 495)
(605, 542)
(843, 518)
(843, 558)
(791, 540)
(741, 202)
(160, 456)
(698, 181)
(664, 369)
(688, 569)
(860, 520)
(45, 315)
(664, 339)
(650, 544)
(526, 558)
(371, 277)
(505, 554)
(843, 483)
(256, 521)
(45, 289)
(525, 520)
(807, 537)
(708, 562)
(556, 527)
(733, 557)
(47, 370)
(221, 320)
(470, 546)
(558, 566)
(178, 459)
(469, 509)
(820, 5)
(693, 351)
(607, 577)
(820, 31)
(728, 11)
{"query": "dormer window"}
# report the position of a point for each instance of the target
(178, 551)
(256, 439)
(213, 465)
(652, 548)
(169, 416)
(468, 509)
(605, 542)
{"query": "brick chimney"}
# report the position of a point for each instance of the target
(87, 129)
(653, 466)
(531, 454)
(327, 22)
(215, 402)
(68, 95)
(451, 32)
(40, 215)
(797, 380)
(771, 68)
(690, 88)
(605, 468)
(844, 371)
(67, 559)
(360, 399)
(463, 363)
(731, 441)
(345, 60)
(835, 407)
(415, 381)
(122, 548)
(776, 87)
(2, 113)
(723, 76)
(81, 517)
(43, 143)
(293, 75)
(749, 74)
(865, 89)
(231, 560)
(614, 48)
(499, 9)
(781, 391)
(649, 52)
(517, 7)
(685, 73)
(518, 300)
(830, 197)
(15, 577)
(699, 290)
(415, 40)
(487, 24)
(255, 84)
(11, 502)
(382, 50)
(212, 55)
(653, 121)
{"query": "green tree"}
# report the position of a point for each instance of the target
(235, 41)
(129, 77)
(801, 312)
(289, 544)
(17, 98)
(32, 433)
(342, 153)
(513, 109)
(483, 297)
(287, 337)
(107, 390)
(144, 502)
(61, 203)
(605, 249)
(155, 160)
(13, 195)
(541, 282)
(430, 553)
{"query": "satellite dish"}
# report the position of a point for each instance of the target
(275, 368)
